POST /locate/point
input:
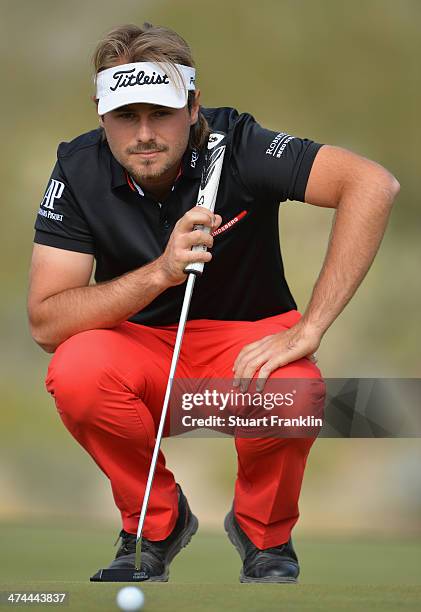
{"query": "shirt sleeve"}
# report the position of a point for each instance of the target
(60, 221)
(273, 165)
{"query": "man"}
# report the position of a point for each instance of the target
(124, 196)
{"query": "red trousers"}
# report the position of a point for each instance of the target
(109, 385)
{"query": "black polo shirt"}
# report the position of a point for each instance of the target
(92, 206)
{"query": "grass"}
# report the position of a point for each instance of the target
(337, 573)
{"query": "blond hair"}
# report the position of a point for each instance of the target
(131, 43)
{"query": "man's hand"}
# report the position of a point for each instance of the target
(178, 251)
(272, 352)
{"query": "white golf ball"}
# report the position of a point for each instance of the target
(130, 598)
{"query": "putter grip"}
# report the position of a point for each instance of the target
(208, 190)
(197, 267)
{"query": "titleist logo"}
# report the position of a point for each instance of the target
(127, 78)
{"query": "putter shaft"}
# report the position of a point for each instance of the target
(179, 338)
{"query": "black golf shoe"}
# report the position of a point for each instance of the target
(275, 564)
(157, 556)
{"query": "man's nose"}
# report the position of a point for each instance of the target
(145, 131)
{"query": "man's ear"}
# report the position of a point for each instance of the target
(194, 113)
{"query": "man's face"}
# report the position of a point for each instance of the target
(149, 140)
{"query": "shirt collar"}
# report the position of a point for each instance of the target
(133, 185)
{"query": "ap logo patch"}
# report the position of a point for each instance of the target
(54, 192)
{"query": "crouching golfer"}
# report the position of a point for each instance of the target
(124, 196)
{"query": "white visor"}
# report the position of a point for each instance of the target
(151, 82)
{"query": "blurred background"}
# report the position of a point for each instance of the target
(338, 72)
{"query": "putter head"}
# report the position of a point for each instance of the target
(119, 575)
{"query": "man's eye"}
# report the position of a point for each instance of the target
(127, 116)
(161, 113)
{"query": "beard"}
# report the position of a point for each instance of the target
(147, 169)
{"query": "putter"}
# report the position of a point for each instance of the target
(206, 197)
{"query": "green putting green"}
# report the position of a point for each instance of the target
(357, 573)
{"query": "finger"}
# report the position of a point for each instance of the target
(248, 374)
(248, 369)
(242, 361)
(196, 237)
(183, 257)
(215, 219)
(188, 222)
(270, 366)
(246, 350)
(197, 216)
(264, 373)
(195, 256)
